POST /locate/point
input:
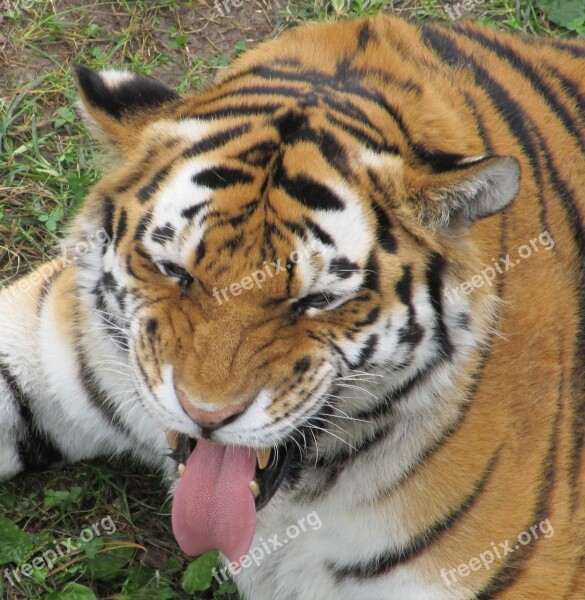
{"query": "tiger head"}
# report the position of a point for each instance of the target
(283, 243)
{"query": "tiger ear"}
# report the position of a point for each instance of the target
(465, 190)
(117, 105)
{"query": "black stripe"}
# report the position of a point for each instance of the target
(145, 163)
(108, 283)
(366, 352)
(511, 112)
(222, 177)
(215, 141)
(434, 279)
(233, 244)
(382, 564)
(311, 193)
(440, 161)
(201, 251)
(481, 126)
(380, 187)
(130, 269)
(504, 579)
(331, 149)
(577, 51)
(447, 433)
(366, 35)
(319, 232)
(302, 365)
(191, 212)
(121, 228)
(346, 108)
(370, 319)
(372, 274)
(259, 155)
(114, 329)
(164, 234)
(92, 389)
(240, 110)
(390, 398)
(412, 333)
(143, 225)
(343, 267)
(576, 224)
(236, 221)
(149, 264)
(367, 140)
(317, 79)
(146, 192)
(109, 217)
(395, 113)
(96, 396)
(384, 229)
(47, 287)
(287, 91)
(295, 229)
(404, 286)
(570, 88)
(36, 449)
(574, 127)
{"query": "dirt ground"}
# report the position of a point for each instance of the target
(212, 29)
(209, 33)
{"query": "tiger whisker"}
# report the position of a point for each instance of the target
(357, 387)
(344, 415)
(311, 426)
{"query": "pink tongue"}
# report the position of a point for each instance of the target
(213, 507)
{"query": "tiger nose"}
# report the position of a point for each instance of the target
(209, 420)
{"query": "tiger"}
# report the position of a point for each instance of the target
(342, 284)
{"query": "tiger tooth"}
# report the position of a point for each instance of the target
(182, 468)
(254, 488)
(172, 439)
(263, 456)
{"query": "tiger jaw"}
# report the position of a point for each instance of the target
(272, 465)
(271, 468)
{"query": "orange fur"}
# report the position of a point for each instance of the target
(526, 413)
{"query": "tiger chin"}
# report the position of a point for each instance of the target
(345, 280)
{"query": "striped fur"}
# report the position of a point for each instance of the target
(432, 424)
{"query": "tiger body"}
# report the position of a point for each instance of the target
(440, 417)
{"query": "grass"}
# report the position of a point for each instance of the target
(48, 162)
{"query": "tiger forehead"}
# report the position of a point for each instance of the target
(227, 175)
(268, 218)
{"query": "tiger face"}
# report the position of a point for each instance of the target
(259, 286)
(273, 269)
